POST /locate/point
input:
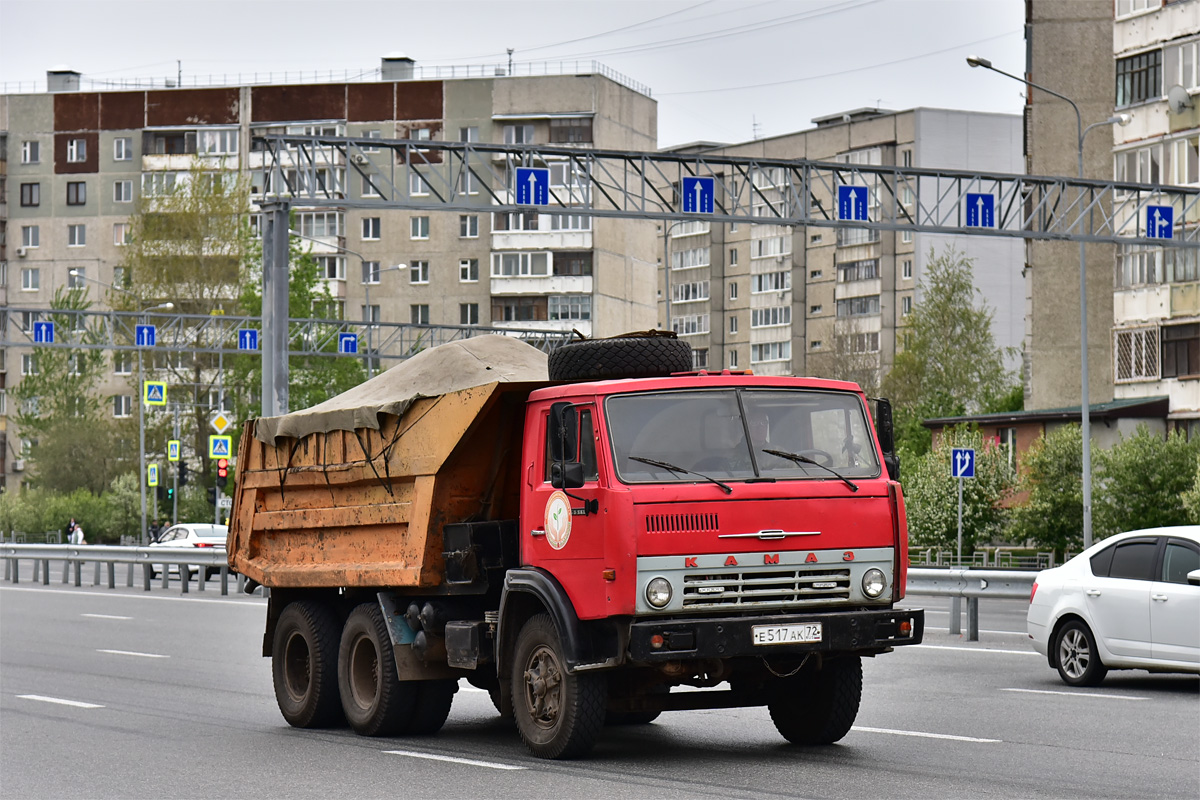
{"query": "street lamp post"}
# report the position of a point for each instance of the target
(140, 391)
(667, 265)
(1084, 401)
(366, 288)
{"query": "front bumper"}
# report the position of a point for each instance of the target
(843, 633)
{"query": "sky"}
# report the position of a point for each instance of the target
(720, 70)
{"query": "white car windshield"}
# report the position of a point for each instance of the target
(725, 433)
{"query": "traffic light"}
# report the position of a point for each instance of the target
(170, 493)
(212, 495)
(222, 472)
(160, 492)
(183, 473)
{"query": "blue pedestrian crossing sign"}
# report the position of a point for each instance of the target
(698, 195)
(219, 446)
(173, 450)
(154, 393)
(43, 333)
(146, 335)
(1160, 222)
(852, 203)
(347, 343)
(247, 339)
(962, 462)
(981, 210)
(533, 186)
(152, 474)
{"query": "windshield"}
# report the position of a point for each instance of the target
(709, 432)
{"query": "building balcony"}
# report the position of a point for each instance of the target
(541, 240)
(553, 284)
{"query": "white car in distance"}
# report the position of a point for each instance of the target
(1131, 601)
(191, 534)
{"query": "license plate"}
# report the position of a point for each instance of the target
(807, 632)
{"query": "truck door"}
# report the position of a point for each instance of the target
(566, 536)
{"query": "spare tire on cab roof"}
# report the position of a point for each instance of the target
(630, 355)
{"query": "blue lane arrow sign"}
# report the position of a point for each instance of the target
(1160, 222)
(533, 186)
(347, 343)
(146, 335)
(981, 210)
(43, 333)
(962, 462)
(698, 195)
(852, 203)
(247, 339)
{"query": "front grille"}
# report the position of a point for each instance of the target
(681, 523)
(780, 588)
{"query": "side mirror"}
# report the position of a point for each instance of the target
(563, 432)
(566, 475)
(886, 432)
(1194, 577)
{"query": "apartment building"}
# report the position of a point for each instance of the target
(833, 302)
(78, 162)
(1156, 297)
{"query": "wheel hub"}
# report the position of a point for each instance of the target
(543, 687)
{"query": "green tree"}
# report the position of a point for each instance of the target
(1142, 480)
(1191, 498)
(1051, 472)
(931, 494)
(950, 364)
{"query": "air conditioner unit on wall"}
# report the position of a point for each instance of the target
(21, 251)
(18, 465)
(359, 158)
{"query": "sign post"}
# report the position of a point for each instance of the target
(962, 465)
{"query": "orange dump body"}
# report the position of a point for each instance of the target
(366, 508)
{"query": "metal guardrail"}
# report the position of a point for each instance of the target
(106, 557)
(973, 584)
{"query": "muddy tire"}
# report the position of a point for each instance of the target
(304, 665)
(375, 701)
(814, 708)
(559, 715)
(622, 357)
(434, 699)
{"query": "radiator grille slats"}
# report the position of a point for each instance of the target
(774, 588)
(681, 523)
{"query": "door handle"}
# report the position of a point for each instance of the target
(1162, 598)
(1093, 592)
(537, 532)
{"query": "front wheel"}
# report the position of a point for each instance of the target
(818, 707)
(558, 714)
(1076, 656)
(375, 701)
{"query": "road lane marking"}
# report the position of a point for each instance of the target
(981, 630)
(104, 616)
(925, 735)
(1077, 694)
(469, 761)
(132, 653)
(57, 701)
(976, 649)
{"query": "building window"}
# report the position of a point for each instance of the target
(686, 259)
(906, 269)
(733, 256)
(31, 279)
(858, 306)
(468, 313)
(76, 193)
(468, 226)
(31, 194)
(122, 406)
(573, 263)
(122, 149)
(156, 184)
(76, 151)
(121, 277)
(1126, 7)
(122, 191)
(468, 270)
(1136, 353)
(370, 272)
(29, 364)
(570, 222)
(814, 310)
(815, 238)
(771, 282)
(570, 130)
(518, 309)
(733, 359)
(1181, 350)
(29, 236)
(690, 292)
(368, 187)
(76, 235)
(733, 324)
(1185, 165)
(733, 290)
(122, 363)
(1187, 56)
(419, 314)
(814, 274)
(1139, 78)
(418, 272)
(333, 268)
(375, 134)
(700, 358)
(860, 342)
(770, 351)
(523, 221)
(570, 306)
(31, 152)
(419, 227)
(865, 270)
(121, 233)
(417, 185)
(220, 142)
(467, 182)
(320, 224)
(770, 317)
(906, 237)
(470, 134)
(690, 325)
(370, 228)
(906, 305)
(520, 265)
(518, 134)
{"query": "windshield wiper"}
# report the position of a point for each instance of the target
(799, 459)
(677, 470)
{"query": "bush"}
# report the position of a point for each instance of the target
(1051, 472)
(1141, 482)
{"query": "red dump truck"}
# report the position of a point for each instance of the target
(579, 538)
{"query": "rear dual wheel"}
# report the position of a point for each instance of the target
(304, 665)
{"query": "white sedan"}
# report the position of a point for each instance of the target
(191, 535)
(1131, 601)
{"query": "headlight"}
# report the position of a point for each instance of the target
(658, 592)
(873, 583)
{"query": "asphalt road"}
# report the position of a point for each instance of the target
(124, 694)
